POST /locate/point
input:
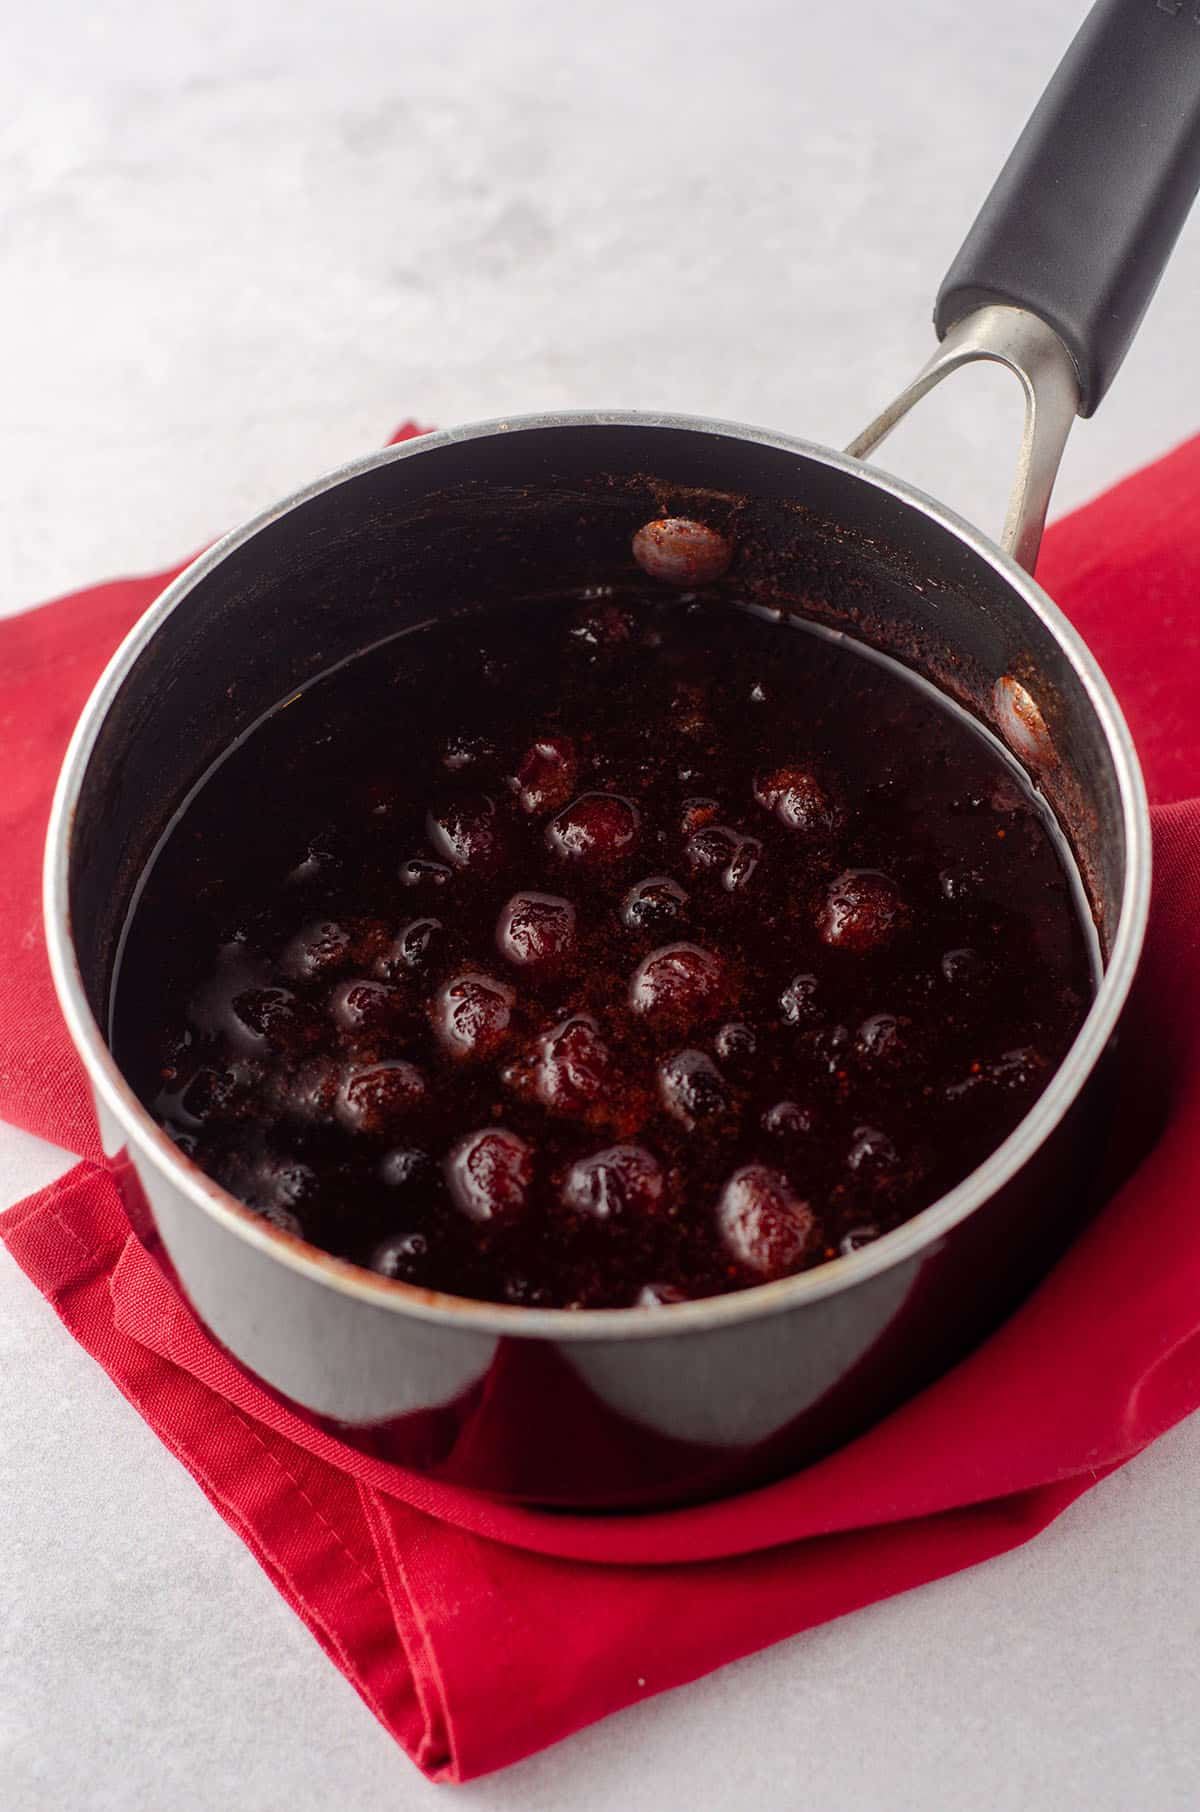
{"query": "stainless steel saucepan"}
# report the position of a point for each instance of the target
(638, 1407)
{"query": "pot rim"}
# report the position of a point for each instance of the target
(902, 1243)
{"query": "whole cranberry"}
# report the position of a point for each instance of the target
(309, 1092)
(429, 876)
(682, 552)
(489, 1174)
(622, 1180)
(545, 777)
(692, 1089)
(406, 1167)
(402, 1256)
(963, 969)
(471, 1014)
(269, 1019)
(798, 799)
(376, 1099)
(412, 948)
(798, 1002)
(872, 1157)
(536, 928)
(862, 910)
(717, 849)
(880, 1039)
(659, 1296)
(597, 828)
(573, 1069)
(284, 1183)
(369, 1008)
(764, 1224)
(464, 833)
(736, 1044)
(319, 948)
(653, 904)
(788, 1120)
(678, 984)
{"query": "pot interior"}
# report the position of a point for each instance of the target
(543, 507)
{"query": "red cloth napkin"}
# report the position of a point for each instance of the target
(478, 1632)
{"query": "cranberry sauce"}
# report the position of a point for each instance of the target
(600, 952)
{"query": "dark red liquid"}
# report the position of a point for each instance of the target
(588, 953)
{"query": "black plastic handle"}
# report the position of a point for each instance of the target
(1084, 214)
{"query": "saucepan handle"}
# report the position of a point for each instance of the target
(1069, 246)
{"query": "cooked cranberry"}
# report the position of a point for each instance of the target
(464, 833)
(872, 1156)
(622, 1180)
(536, 928)
(880, 1038)
(742, 865)
(723, 851)
(697, 813)
(962, 968)
(682, 552)
(598, 827)
(404, 1167)
(654, 904)
(862, 910)
(374, 1100)
(285, 1183)
(712, 848)
(471, 1014)
(855, 1238)
(319, 949)
(402, 1256)
(659, 1296)
(489, 1173)
(764, 1224)
(367, 1007)
(736, 1044)
(272, 1019)
(413, 947)
(573, 1067)
(788, 1120)
(692, 1088)
(679, 984)
(418, 871)
(829, 1048)
(308, 1094)
(798, 1002)
(798, 800)
(545, 779)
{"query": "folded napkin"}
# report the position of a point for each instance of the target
(477, 1631)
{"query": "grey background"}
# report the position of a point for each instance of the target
(237, 245)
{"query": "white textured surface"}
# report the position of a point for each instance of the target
(237, 243)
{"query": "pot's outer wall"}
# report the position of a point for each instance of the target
(544, 508)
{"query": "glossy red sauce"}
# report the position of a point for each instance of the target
(605, 951)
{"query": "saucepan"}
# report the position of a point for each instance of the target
(629, 1408)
